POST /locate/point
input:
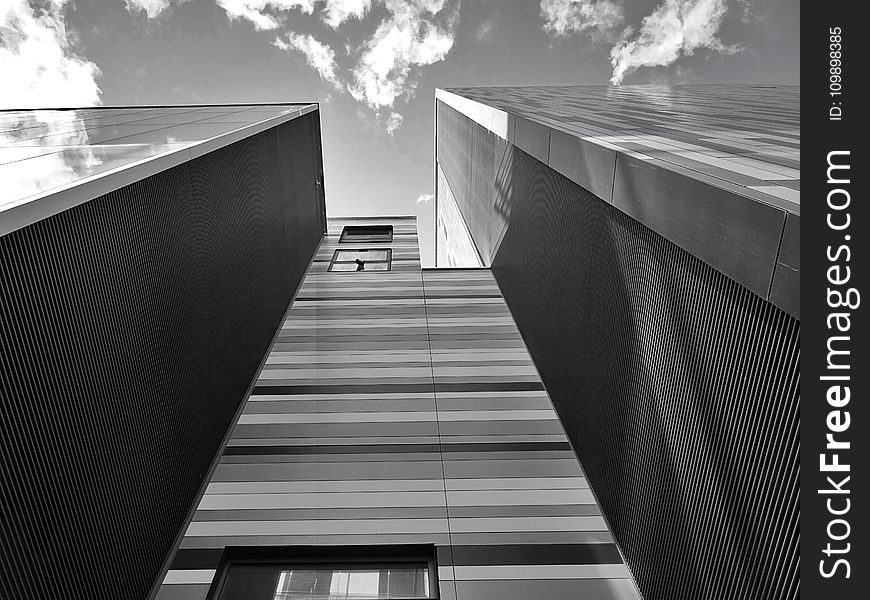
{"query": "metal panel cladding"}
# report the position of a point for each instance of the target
(131, 327)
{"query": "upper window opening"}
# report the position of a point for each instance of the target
(367, 233)
(374, 259)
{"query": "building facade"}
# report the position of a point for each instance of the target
(646, 240)
(208, 391)
(147, 257)
(401, 407)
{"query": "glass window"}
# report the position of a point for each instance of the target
(353, 584)
(372, 259)
(344, 267)
(376, 266)
(367, 233)
(351, 255)
(389, 576)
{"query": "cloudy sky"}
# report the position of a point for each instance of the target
(374, 64)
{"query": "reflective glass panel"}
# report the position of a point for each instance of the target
(353, 584)
(346, 255)
(47, 149)
(275, 110)
(352, 266)
(79, 134)
(65, 165)
(166, 118)
(377, 266)
(268, 582)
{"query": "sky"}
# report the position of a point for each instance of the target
(374, 65)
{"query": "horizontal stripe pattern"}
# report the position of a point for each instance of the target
(386, 415)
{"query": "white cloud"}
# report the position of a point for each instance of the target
(424, 198)
(597, 17)
(318, 55)
(37, 64)
(337, 12)
(259, 12)
(393, 122)
(484, 31)
(413, 35)
(36, 57)
(749, 12)
(151, 7)
(676, 28)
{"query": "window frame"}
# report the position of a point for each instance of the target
(336, 253)
(348, 230)
(327, 556)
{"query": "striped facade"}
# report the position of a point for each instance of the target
(402, 407)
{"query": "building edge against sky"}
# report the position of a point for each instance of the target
(645, 239)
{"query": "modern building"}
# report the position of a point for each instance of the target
(147, 258)
(210, 391)
(646, 241)
(398, 421)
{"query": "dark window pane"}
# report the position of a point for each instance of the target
(250, 582)
(367, 233)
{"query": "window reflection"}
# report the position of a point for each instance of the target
(39, 166)
(357, 584)
(372, 259)
(351, 266)
(353, 584)
(351, 255)
(395, 581)
(45, 149)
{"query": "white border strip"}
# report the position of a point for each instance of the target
(493, 119)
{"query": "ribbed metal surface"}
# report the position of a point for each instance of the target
(677, 386)
(130, 328)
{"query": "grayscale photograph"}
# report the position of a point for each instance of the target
(425, 299)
